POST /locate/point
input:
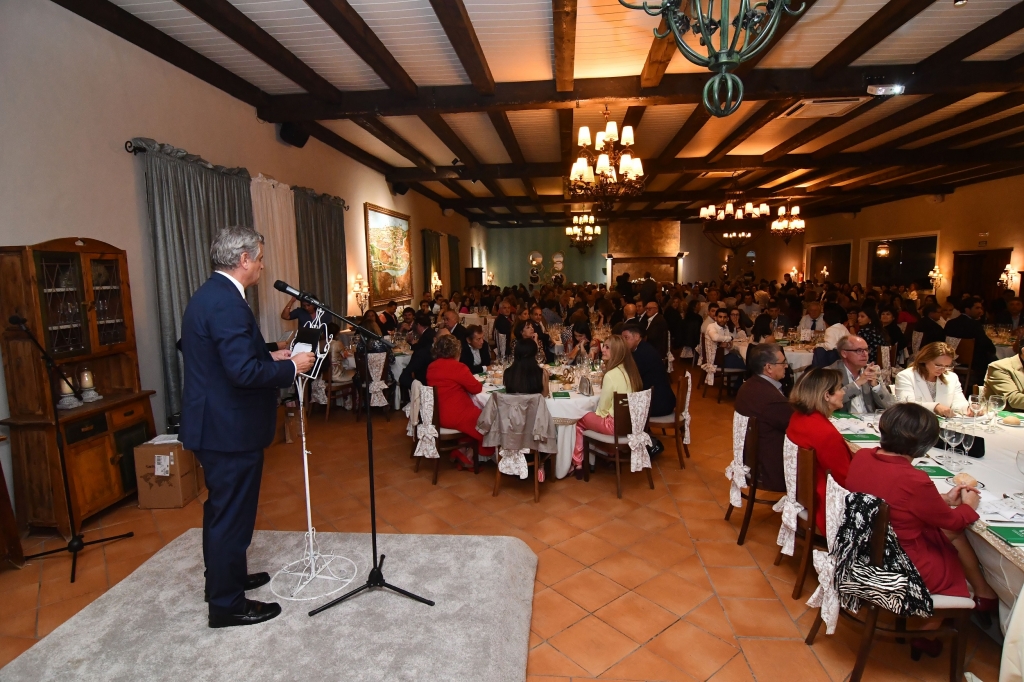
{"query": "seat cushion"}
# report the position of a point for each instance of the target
(664, 419)
(943, 601)
(442, 431)
(603, 437)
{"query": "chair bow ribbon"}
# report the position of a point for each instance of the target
(788, 505)
(827, 596)
(375, 364)
(639, 440)
(737, 472)
(427, 445)
(513, 462)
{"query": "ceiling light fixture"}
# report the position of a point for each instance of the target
(734, 209)
(610, 172)
(883, 250)
(789, 223)
(742, 33)
(582, 232)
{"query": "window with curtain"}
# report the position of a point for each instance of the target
(320, 229)
(431, 257)
(454, 266)
(189, 201)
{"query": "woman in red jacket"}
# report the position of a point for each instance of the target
(815, 397)
(455, 384)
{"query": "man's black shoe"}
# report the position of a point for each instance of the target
(657, 447)
(252, 581)
(254, 612)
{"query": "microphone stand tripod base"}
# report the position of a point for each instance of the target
(375, 579)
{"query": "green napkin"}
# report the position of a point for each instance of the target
(862, 437)
(1007, 413)
(839, 414)
(1012, 535)
(934, 471)
(560, 394)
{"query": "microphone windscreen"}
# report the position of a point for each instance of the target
(281, 286)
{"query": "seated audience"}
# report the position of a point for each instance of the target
(815, 397)
(813, 320)
(524, 375)
(405, 325)
(863, 390)
(891, 328)
(761, 396)
(870, 329)
(720, 334)
(620, 376)
(1012, 316)
(387, 320)
(338, 355)
(929, 525)
(475, 353)
(691, 327)
(524, 329)
(422, 354)
(450, 320)
(749, 307)
(580, 344)
(656, 328)
(1006, 378)
(836, 328)
(454, 384)
(929, 325)
(736, 325)
(652, 371)
(931, 382)
(851, 320)
(777, 318)
(503, 325)
(711, 318)
(970, 325)
(762, 331)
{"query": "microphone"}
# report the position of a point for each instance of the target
(301, 295)
(17, 320)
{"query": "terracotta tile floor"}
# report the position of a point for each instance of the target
(649, 587)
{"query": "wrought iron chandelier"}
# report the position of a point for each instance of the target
(787, 228)
(582, 232)
(732, 237)
(753, 24)
(594, 177)
(735, 210)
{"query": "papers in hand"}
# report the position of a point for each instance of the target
(302, 348)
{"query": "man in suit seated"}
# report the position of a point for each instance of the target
(626, 315)
(813, 320)
(228, 416)
(503, 324)
(652, 370)
(452, 324)
(421, 355)
(864, 392)
(657, 328)
(970, 325)
(1012, 316)
(929, 326)
(475, 353)
(778, 319)
(1006, 378)
(761, 396)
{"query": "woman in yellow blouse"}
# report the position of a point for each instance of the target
(620, 376)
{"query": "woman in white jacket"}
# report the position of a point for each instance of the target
(930, 381)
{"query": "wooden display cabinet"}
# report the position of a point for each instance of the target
(75, 296)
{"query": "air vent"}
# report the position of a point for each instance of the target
(824, 108)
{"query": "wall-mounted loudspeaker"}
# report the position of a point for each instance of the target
(447, 211)
(293, 134)
(400, 187)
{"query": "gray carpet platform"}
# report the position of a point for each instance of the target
(152, 625)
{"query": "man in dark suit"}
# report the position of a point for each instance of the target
(421, 353)
(968, 325)
(928, 325)
(652, 371)
(229, 406)
(475, 353)
(761, 396)
(657, 328)
(452, 324)
(648, 289)
(503, 324)
(1012, 316)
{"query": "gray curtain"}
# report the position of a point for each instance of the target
(190, 200)
(320, 230)
(453, 263)
(431, 257)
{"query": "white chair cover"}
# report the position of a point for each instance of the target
(915, 341)
(513, 462)
(413, 408)
(669, 358)
(639, 440)
(427, 432)
(710, 350)
(375, 368)
(952, 341)
(318, 392)
(737, 472)
(686, 408)
(826, 597)
(788, 505)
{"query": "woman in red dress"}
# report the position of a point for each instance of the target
(815, 397)
(455, 384)
(929, 525)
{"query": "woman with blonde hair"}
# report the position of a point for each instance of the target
(620, 376)
(929, 381)
(815, 397)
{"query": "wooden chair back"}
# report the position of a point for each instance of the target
(965, 352)
(879, 533)
(806, 481)
(623, 421)
(750, 442)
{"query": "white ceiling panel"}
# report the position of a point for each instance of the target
(518, 44)
(438, 188)
(822, 27)
(940, 24)
(771, 135)
(1010, 46)
(185, 27)
(965, 128)
(934, 117)
(537, 133)
(413, 130)
(548, 186)
(658, 126)
(367, 142)
(787, 178)
(661, 182)
(716, 130)
(477, 132)
(611, 40)
(862, 121)
(411, 32)
(301, 30)
(680, 64)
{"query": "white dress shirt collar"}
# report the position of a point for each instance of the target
(238, 285)
(773, 382)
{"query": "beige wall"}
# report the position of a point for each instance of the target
(72, 93)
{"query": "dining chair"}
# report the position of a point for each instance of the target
(750, 460)
(447, 440)
(539, 458)
(724, 375)
(345, 386)
(615, 447)
(964, 361)
(678, 423)
(375, 368)
(806, 477)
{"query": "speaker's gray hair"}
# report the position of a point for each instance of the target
(229, 245)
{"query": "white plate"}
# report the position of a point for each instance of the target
(1011, 426)
(949, 480)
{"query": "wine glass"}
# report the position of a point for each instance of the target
(996, 404)
(968, 443)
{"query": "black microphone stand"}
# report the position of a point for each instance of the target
(77, 543)
(376, 576)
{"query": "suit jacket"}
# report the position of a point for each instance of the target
(229, 398)
(911, 386)
(1005, 318)
(965, 327)
(1006, 378)
(503, 325)
(460, 332)
(657, 333)
(648, 290)
(873, 400)
(931, 331)
(655, 377)
(420, 360)
(467, 358)
(757, 397)
(387, 322)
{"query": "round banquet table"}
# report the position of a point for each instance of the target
(565, 412)
(796, 358)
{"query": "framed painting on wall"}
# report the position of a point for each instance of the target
(388, 255)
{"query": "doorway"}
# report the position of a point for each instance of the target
(977, 272)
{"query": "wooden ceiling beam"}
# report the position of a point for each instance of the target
(378, 129)
(990, 108)
(332, 139)
(565, 141)
(677, 184)
(767, 113)
(457, 26)
(811, 177)
(1002, 125)
(880, 176)
(903, 116)
(786, 23)
(563, 18)
(819, 128)
(852, 174)
(989, 33)
(995, 175)
(929, 175)
(350, 27)
(658, 57)
(499, 119)
(428, 193)
(633, 116)
(229, 20)
(766, 179)
(877, 28)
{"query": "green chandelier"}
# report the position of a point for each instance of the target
(752, 29)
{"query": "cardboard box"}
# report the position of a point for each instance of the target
(168, 475)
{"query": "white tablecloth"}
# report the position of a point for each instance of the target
(796, 358)
(563, 411)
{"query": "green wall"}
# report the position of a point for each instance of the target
(508, 251)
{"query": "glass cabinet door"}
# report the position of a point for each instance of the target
(62, 303)
(107, 301)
